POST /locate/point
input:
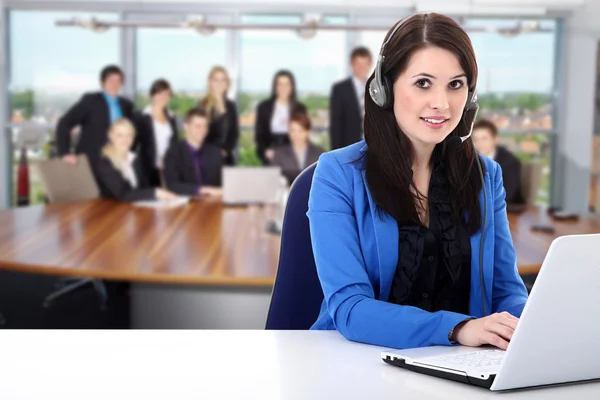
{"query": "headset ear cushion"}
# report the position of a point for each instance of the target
(389, 93)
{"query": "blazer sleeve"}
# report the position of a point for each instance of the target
(118, 187)
(508, 292)
(300, 107)
(172, 177)
(512, 172)
(233, 128)
(128, 108)
(138, 123)
(349, 295)
(261, 131)
(335, 119)
(73, 117)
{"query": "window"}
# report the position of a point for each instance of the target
(316, 63)
(516, 72)
(46, 75)
(183, 57)
(50, 68)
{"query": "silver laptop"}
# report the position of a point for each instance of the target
(251, 185)
(557, 339)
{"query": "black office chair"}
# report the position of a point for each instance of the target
(70, 183)
(297, 293)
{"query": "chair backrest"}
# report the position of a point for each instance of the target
(531, 178)
(63, 182)
(297, 294)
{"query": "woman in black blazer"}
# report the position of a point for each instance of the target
(156, 131)
(273, 116)
(224, 128)
(300, 153)
(121, 174)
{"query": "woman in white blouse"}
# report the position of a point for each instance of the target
(273, 116)
(121, 175)
(156, 130)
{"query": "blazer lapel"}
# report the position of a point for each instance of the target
(103, 109)
(488, 253)
(353, 97)
(291, 157)
(386, 237)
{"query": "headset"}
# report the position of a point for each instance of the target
(382, 94)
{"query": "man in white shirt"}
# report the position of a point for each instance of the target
(347, 101)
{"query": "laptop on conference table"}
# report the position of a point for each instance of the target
(557, 339)
(251, 185)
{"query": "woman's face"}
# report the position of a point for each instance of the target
(162, 98)
(430, 96)
(218, 83)
(122, 139)
(283, 87)
(298, 135)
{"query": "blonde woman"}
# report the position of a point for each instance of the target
(223, 130)
(121, 174)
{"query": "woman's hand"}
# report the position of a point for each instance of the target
(270, 153)
(209, 191)
(165, 195)
(496, 329)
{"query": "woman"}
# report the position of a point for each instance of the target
(224, 129)
(397, 257)
(121, 174)
(273, 116)
(300, 153)
(156, 130)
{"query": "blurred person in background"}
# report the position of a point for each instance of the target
(192, 166)
(121, 173)
(223, 128)
(94, 113)
(273, 116)
(347, 102)
(156, 128)
(300, 153)
(485, 138)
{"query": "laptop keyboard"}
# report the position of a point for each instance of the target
(481, 358)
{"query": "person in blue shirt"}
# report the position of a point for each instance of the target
(93, 113)
(396, 220)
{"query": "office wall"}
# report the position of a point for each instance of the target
(4, 165)
(577, 84)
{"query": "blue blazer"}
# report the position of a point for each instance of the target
(356, 253)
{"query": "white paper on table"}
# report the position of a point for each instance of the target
(181, 201)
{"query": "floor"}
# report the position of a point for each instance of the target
(22, 295)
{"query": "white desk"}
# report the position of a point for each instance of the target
(221, 365)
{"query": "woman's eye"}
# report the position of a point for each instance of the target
(456, 84)
(423, 83)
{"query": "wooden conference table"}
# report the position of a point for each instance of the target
(233, 364)
(202, 243)
(199, 266)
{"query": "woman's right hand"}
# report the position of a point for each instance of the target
(162, 194)
(270, 153)
(496, 329)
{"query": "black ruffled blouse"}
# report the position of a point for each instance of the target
(434, 264)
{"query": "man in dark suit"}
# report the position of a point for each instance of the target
(193, 167)
(485, 138)
(347, 102)
(93, 113)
